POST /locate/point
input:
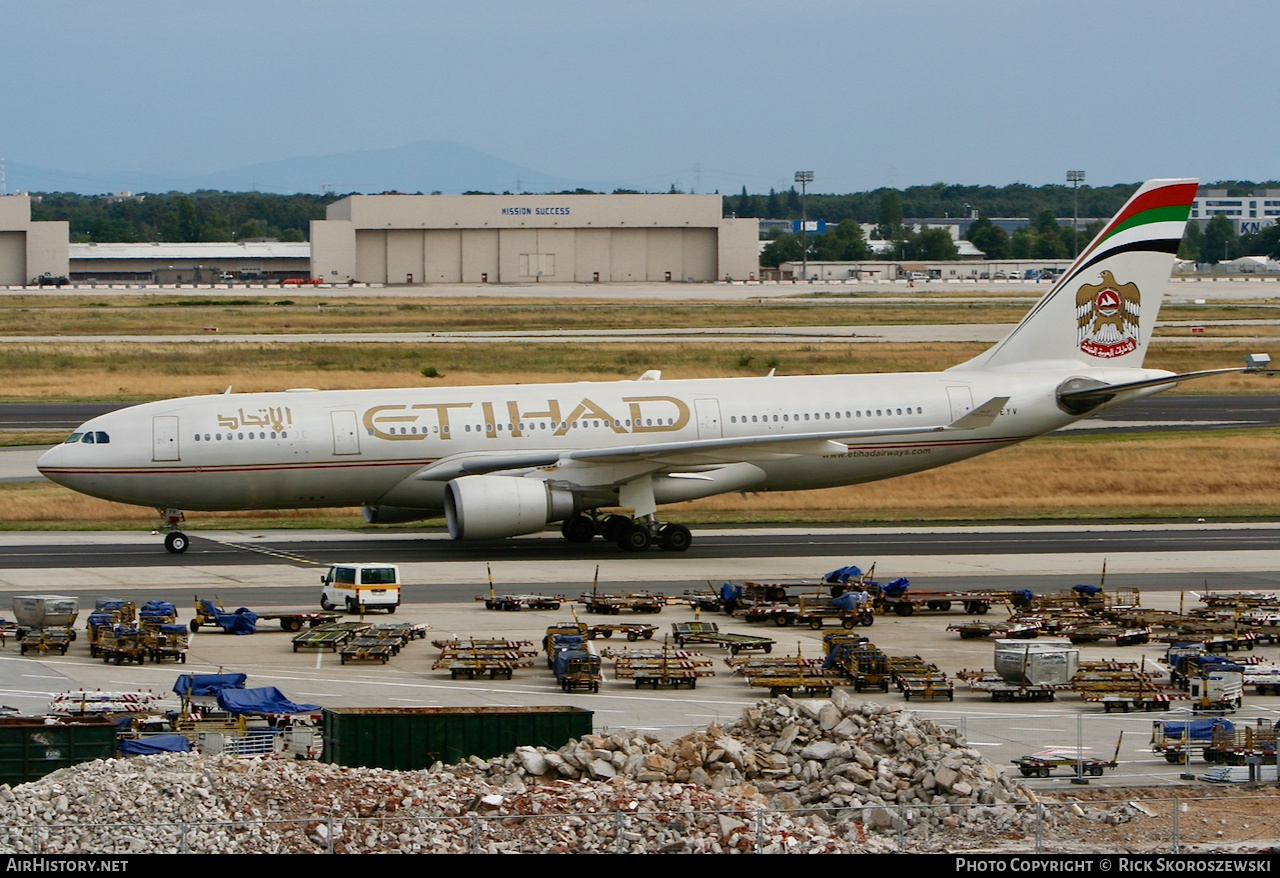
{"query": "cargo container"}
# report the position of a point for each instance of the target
(31, 747)
(1037, 662)
(410, 738)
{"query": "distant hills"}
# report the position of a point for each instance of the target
(426, 166)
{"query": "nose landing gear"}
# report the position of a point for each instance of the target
(175, 540)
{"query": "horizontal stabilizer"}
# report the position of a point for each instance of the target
(1100, 393)
(983, 416)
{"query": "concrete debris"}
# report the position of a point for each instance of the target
(840, 776)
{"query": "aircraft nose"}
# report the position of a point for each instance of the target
(50, 460)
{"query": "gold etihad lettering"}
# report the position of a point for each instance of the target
(276, 418)
(588, 409)
(648, 414)
(643, 409)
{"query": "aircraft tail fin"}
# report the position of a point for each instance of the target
(1103, 309)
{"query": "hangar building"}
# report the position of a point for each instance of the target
(29, 249)
(415, 239)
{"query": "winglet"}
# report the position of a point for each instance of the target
(983, 416)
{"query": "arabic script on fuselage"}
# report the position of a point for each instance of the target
(276, 418)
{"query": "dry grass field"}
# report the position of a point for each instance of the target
(147, 370)
(169, 314)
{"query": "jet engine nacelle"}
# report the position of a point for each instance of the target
(492, 507)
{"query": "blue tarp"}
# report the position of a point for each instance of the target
(157, 608)
(1196, 729)
(267, 700)
(851, 600)
(207, 684)
(242, 621)
(843, 574)
(838, 647)
(897, 588)
(730, 594)
(155, 744)
(1087, 590)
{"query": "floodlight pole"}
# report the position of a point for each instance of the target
(1075, 178)
(804, 178)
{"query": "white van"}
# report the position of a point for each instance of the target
(361, 587)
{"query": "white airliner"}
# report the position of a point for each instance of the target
(499, 461)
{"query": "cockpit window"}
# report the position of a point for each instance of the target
(89, 437)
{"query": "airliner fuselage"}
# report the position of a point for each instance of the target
(298, 449)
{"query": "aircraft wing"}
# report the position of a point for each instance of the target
(696, 452)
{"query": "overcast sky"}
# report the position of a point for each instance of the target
(706, 94)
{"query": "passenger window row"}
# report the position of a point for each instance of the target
(827, 416)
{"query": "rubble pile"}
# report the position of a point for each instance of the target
(844, 760)
(839, 775)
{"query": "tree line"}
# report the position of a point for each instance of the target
(1045, 237)
(233, 216)
(177, 217)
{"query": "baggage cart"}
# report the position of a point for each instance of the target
(632, 632)
(211, 612)
(788, 675)
(479, 657)
(167, 642)
(1081, 762)
(332, 636)
(1001, 689)
(916, 678)
(662, 667)
(612, 604)
(709, 634)
(514, 602)
(121, 644)
(46, 640)
(369, 647)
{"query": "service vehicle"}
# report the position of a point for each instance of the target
(361, 587)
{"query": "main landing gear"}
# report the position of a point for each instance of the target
(175, 540)
(631, 534)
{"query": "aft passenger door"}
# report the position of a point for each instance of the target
(961, 400)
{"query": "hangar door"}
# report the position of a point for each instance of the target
(371, 256)
(13, 258)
